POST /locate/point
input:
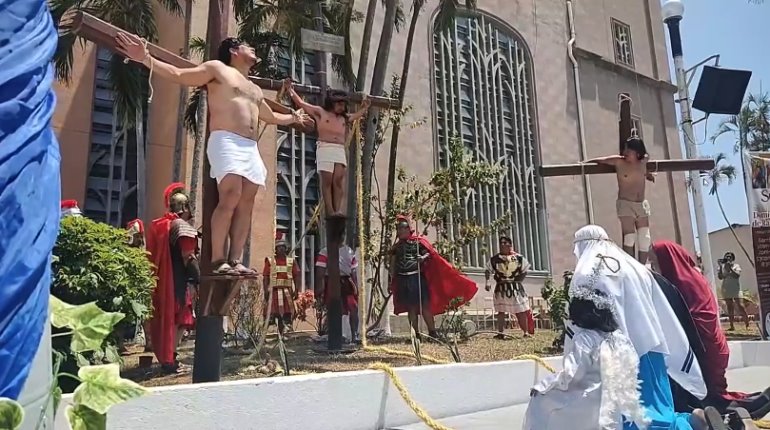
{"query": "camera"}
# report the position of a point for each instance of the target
(721, 261)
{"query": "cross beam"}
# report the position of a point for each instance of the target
(103, 34)
(652, 166)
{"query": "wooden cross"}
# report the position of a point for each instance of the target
(217, 292)
(625, 129)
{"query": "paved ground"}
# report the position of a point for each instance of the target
(748, 379)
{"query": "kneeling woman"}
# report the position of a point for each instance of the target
(598, 387)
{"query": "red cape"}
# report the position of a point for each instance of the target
(445, 283)
(163, 324)
(678, 267)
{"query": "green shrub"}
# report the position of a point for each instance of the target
(557, 298)
(94, 263)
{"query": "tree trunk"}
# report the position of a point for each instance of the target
(363, 62)
(394, 135)
(195, 173)
(183, 94)
(378, 83)
(732, 230)
(141, 181)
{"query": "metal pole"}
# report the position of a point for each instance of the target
(691, 149)
(318, 19)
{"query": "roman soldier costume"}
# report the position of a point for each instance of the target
(429, 279)
(173, 246)
(70, 208)
(280, 274)
(508, 271)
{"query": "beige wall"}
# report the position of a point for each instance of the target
(72, 122)
(545, 30)
(723, 241)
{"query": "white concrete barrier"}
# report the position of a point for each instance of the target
(362, 400)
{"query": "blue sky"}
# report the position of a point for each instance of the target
(737, 30)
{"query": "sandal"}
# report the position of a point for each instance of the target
(741, 419)
(240, 269)
(714, 419)
(221, 267)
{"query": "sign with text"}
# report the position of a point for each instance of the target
(757, 168)
(316, 41)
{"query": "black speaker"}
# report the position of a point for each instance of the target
(721, 91)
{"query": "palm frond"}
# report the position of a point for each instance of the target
(172, 6)
(191, 111)
(339, 15)
(198, 47)
(127, 83)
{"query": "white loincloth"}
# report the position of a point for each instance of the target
(230, 153)
(329, 154)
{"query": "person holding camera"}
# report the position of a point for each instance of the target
(730, 272)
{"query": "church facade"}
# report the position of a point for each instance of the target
(502, 79)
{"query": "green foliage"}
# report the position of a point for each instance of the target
(89, 324)
(101, 387)
(94, 263)
(557, 298)
(11, 414)
(439, 203)
(751, 127)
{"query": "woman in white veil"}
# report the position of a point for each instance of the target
(645, 316)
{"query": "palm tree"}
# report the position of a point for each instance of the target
(128, 80)
(720, 174)
(751, 126)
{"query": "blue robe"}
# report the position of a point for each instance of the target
(656, 396)
(29, 184)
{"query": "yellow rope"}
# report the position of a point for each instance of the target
(417, 409)
(763, 424)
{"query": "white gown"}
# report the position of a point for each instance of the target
(572, 398)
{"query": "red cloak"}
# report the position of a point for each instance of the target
(445, 283)
(678, 267)
(163, 323)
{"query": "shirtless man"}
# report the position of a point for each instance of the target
(236, 106)
(332, 126)
(632, 207)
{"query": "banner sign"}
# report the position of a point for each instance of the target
(757, 175)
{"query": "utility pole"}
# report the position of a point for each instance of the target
(673, 10)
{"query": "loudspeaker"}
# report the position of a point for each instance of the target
(721, 91)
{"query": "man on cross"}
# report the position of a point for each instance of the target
(236, 106)
(632, 207)
(333, 124)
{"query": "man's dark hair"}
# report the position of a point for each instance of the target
(505, 239)
(334, 96)
(585, 314)
(729, 256)
(636, 144)
(224, 55)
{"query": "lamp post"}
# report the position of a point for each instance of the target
(672, 11)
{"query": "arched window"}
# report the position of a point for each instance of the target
(484, 94)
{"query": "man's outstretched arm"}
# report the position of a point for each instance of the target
(360, 112)
(267, 115)
(132, 47)
(299, 101)
(609, 160)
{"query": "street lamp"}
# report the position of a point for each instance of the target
(672, 11)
